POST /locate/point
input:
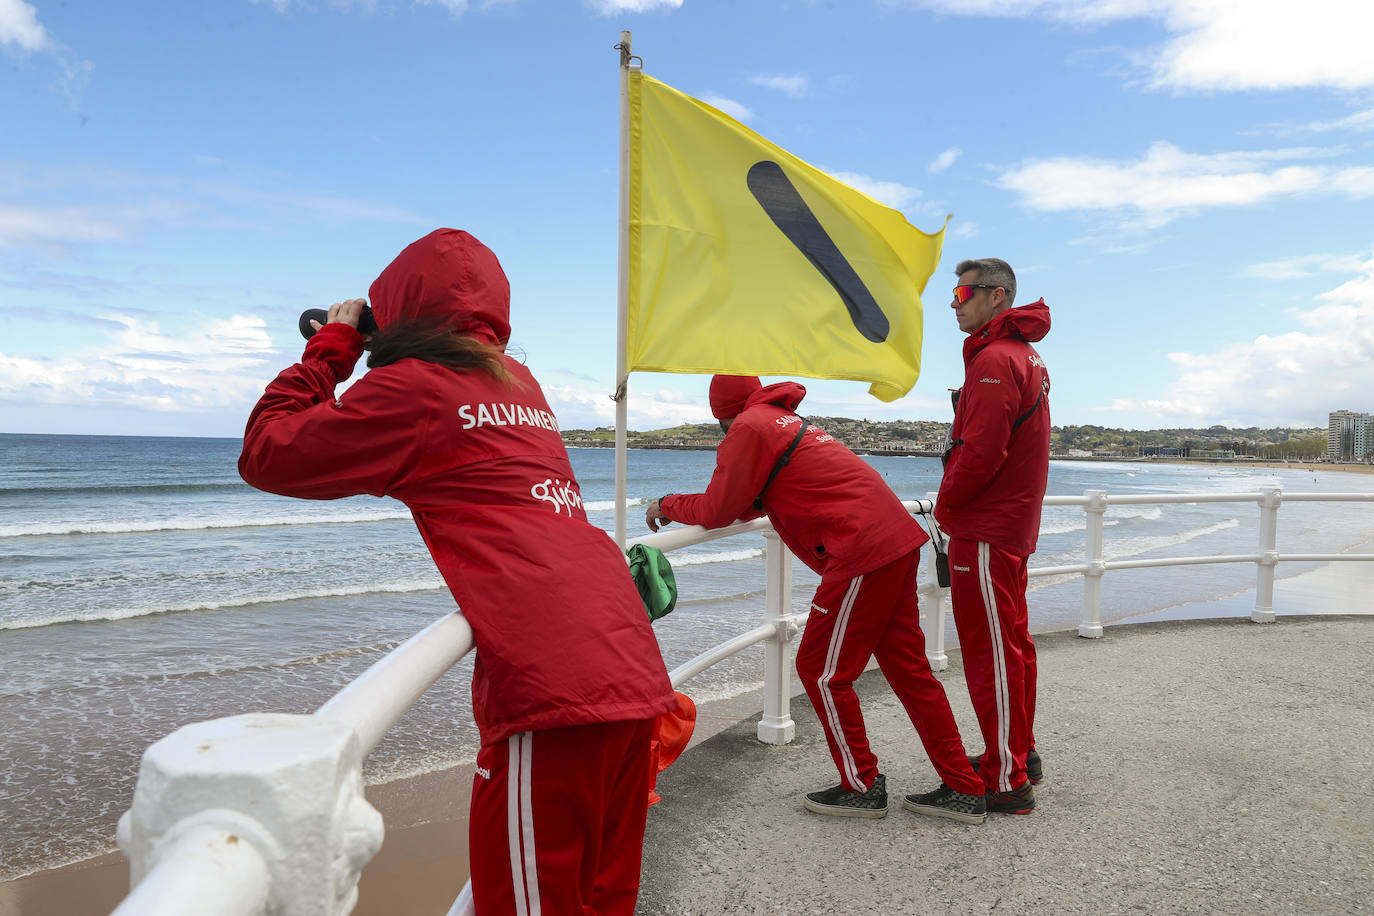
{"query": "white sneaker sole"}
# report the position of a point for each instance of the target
(843, 811)
(937, 811)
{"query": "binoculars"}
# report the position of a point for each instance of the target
(367, 325)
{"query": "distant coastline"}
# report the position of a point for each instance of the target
(1349, 468)
(926, 439)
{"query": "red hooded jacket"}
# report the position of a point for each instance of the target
(562, 638)
(829, 506)
(999, 457)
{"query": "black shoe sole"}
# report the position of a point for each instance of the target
(1012, 804)
(1010, 810)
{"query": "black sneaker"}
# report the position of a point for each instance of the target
(840, 802)
(945, 802)
(1035, 772)
(1017, 801)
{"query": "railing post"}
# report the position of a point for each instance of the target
(933, 609)
(1091, 627)
(776, 726)
(289, 787)
(1269, 555)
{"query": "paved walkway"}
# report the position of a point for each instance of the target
(1209, 767)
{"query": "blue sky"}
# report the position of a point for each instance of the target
(1188, 183)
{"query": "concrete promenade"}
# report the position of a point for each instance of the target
(1208, 767)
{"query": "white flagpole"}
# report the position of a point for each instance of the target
(621, 395)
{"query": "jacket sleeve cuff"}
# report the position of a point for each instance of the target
(338, 346)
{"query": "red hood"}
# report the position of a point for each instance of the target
(1027, 322)
(785, 394)
(450, 276)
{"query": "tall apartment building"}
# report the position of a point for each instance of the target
(1349, 436)
(1362, 444)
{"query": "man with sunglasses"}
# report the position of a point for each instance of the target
(996, 466)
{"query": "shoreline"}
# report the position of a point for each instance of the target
(1315, 466)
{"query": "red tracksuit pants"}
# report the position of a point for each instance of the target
(988, 588)
(876, 615)
(557, 821)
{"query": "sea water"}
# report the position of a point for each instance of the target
(144, 586)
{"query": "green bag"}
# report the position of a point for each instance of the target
(654, 578)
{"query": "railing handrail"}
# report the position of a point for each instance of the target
(365, 709)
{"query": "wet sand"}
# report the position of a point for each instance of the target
(421, 868)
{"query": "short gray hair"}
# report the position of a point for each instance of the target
(994, 271)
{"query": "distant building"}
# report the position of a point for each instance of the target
(1362, 447)
(1349, 436)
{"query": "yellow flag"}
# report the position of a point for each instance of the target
(744, 259)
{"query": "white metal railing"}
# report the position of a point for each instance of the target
(265, 812)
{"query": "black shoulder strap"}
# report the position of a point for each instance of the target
(944, 457)
(1027, 415)
(782, 463)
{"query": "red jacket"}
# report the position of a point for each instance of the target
(562, 638)
(999, 454)
(829, 506)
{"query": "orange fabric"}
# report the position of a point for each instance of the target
(672, 730)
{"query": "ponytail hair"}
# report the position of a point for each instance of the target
(435, 343)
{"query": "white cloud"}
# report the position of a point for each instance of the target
(1267, 44)
(456, 7)
(459, 7)
(1222, 44)
(587, 408)
(1167, 182)
(795, 86)
(1292, 378)
(222, 363)
(944, 160)
(125, 203)
(611, 7)
(1303, 266)
(1359, 121)
(26, 225)
(734, 109)
(964, 230)
(19, 26)
(892, 193)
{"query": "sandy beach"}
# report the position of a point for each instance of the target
(1315, 467)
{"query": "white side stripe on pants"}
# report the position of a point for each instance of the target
(832, 657)
(520, 824)
(999, 668)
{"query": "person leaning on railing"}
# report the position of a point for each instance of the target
(836, 513)
(568, 677)
(996, 467)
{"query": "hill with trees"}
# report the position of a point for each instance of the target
(928, 436)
